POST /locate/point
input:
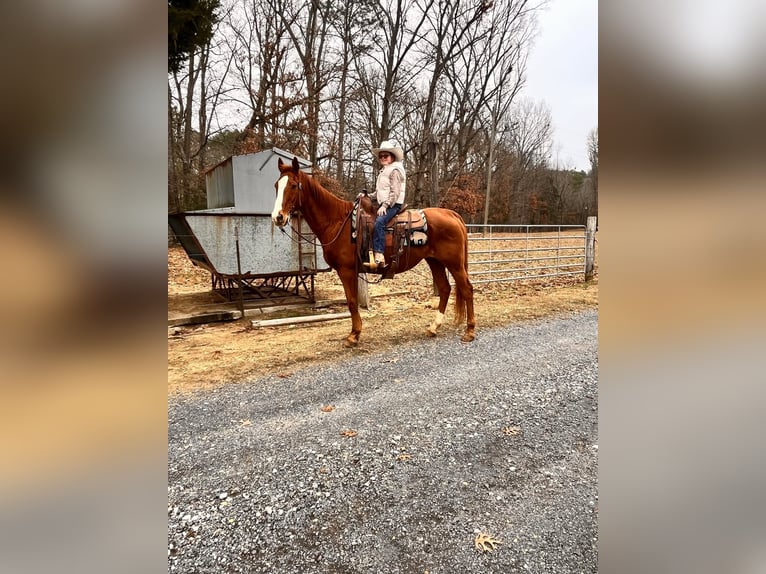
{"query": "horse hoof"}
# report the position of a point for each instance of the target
(430, 333)
(349, 343)
(468, 337)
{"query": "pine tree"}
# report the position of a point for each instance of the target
(190, 25)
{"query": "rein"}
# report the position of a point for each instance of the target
(302, 237)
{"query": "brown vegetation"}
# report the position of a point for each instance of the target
(204, 356)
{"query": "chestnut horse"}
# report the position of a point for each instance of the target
(328, 216)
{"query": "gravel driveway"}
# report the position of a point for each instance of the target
(452, 440)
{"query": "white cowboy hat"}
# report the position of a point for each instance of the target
(390, 147)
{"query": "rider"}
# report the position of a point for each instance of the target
(389, 193)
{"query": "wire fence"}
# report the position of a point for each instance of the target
(496, 254)
(501, 253)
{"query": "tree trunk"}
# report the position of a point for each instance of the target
(340, 146)
(174, 202)
(490, 161)
(202, 115)
(186, 161)
(433, 163)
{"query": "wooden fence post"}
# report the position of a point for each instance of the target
(590, 247)
(363, 295)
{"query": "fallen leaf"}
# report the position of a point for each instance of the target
(485, 542)
(245, 422)
(327, 408)
(512, 431)
(348, 433)
(404, 456)
(283, 375)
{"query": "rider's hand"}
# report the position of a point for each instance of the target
(382, 210)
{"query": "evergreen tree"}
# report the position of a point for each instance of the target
(190, 25)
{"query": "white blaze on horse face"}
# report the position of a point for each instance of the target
(281, 185)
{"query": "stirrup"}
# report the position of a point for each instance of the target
(372, 264)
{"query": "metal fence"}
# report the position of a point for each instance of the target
(500, 253)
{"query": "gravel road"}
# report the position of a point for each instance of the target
(495, 437)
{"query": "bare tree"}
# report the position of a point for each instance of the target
(504, 62)
(401, 25)
(450, 27)
(485, 78)
(593, 157)
(215, 63)
(331, 79)
(185, 142)
(197, 88)
(353, 22)
(308, 26)
(529, 143)
(268, 81)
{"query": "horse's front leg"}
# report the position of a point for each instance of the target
(351, 287)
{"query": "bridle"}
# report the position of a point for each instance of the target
(296, 206)
(299, 203)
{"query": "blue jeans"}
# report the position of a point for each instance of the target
(379, 235)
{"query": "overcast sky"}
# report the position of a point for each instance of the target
(563, 70)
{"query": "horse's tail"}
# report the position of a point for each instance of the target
(460, 302)
(459, 307)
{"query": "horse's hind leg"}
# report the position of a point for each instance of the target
(350, 286)
(442, 285)
(464, 303)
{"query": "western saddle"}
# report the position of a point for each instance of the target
(407, 229)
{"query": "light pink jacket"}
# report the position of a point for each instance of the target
(388, 191)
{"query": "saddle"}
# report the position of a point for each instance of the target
(408, 229)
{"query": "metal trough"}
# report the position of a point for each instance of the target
(247, 255)
(234, 239)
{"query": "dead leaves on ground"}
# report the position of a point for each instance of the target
(485, 542)
(327, 408)
(511, 431)
(348, 433)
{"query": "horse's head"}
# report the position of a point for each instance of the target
(288, 188)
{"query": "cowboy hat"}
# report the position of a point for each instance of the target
(390, 147)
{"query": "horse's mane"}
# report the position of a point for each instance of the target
(322, 195)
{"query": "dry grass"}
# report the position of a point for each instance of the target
(201, 357)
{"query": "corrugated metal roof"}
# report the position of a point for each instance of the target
(304, 163)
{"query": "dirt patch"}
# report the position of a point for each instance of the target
(209, 355)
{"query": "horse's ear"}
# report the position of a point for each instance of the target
(296, 165)
(281, 164)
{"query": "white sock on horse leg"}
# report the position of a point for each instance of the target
(438, 320)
